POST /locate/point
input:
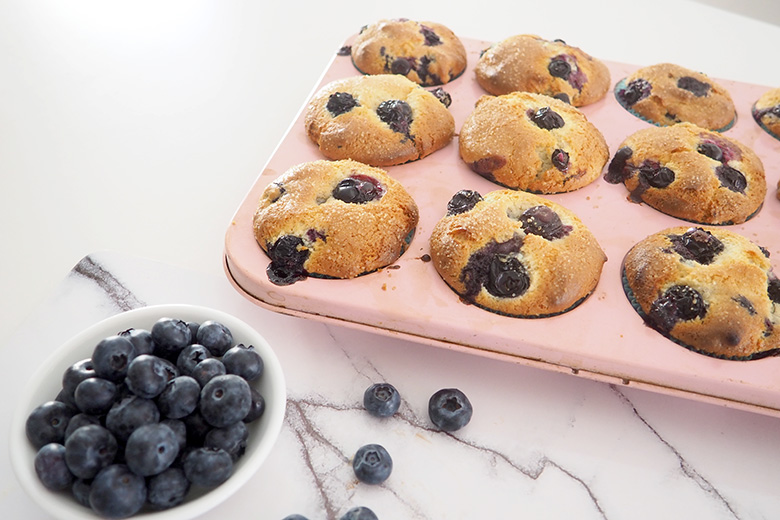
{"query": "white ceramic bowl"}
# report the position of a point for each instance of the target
(46, 383)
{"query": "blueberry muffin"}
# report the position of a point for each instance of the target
(710, 290)
(427, 53)
(532, 142)
(666, 94)
(333, 219)
(515, 253)
(766, 112)
(529, 63)
(379, 120)
(690, 173)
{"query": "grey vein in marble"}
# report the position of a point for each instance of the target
(122, 297)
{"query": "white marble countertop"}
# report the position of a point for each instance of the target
(138, 127)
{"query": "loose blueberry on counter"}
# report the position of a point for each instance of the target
(190, 356)
(95, 395)
(207, 467)
(634, 92)
(170, 336)
(340, 103)
(381, 399)
(397, 114)
(130, 413)
(358, 189)
(151, 449)
(208, 369)
(117, 492)
(147, 375)
(244, 361)
(560, 160)
(653, 174)
(179, 398)
(372, 464)
(112, 356)
(225, 400)
(48, 422)
(168, 489)
(51, 468)
(710, 150)
(507, 277)
(731, 178)
(546, 118)
(443, 96)
(463, 201)
(450, 409)
(90, 449)
(141, 340)
(694, 86)
(697, 244)
(214, 336)
(559, 67)
(288, 254)
(678, 303)
(359, 513)
(542, 221)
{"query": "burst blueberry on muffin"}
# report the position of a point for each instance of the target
(533, 143)
(710, 290)
(766, 112)
(529, 63)
(333, 219)
(666, 94)
(515, 253)
(427, 53)
(378, 120)
(690, 173)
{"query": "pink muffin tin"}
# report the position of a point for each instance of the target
(603, 339)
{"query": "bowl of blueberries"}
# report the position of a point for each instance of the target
(160, 412)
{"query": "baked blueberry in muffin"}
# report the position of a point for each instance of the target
(529, 63)
(333, 219)
(666, 94)
(532, 142)
(427, 53)
(690, 173)
(515, 253)
(378, 120)
(766, 112)
(708, 289)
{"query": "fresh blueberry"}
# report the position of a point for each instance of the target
(397, 114)
(655, 175)
(130, 413)
(75, 374)
(258, 406)
(710, 150)
(546, 118)
(193, 326)
(151, 449)
(507, 277)
(90, 449)
(560, 159)
(340, 103)
(697, 244)
(295, 517)
(559, 67)
(141, 340)
(79, 420)
(359, 513)
(232, 439)
(372, 464)
(358, 189)
(197, 428)
(617, 169)
(215, 336)
(117, 492)
(463, 201)
(168, 489)
(80, 491)
(51, 468)
(224, 400)
(679, 302)
(449, 409)
(208, 369)
(95, 395)
(179, 398)
(147, 375)
(207, 467)
(244, 361)
(694, 86)
(288, 254)
(731, 178)
(170, 336)
(542, 221)
(190, 356)
(48, 423)
(112, 356)
(180, 430)
(634, 92)
(381, 399)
